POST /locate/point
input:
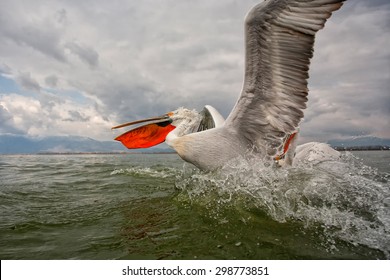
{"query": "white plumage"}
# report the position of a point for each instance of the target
(279, 38)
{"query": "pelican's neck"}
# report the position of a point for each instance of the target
(185, 127)
(171, 137)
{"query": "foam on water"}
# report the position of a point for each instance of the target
(333, 192)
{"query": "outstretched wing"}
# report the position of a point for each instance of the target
(211, 118)
(279, 46)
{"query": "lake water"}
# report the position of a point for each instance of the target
(141, 206)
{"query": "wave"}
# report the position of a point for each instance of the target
(338, 194)
(146, 172)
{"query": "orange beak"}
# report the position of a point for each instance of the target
(147, 135)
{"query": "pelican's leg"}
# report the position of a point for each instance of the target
(289, 146)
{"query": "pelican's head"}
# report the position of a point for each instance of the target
(181, 122)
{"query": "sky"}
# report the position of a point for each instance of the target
(81, 67)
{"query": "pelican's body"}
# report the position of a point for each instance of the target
(265, 121)
(209, 149)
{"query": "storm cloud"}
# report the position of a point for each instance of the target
(99, 63)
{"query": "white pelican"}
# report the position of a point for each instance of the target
(279, 37)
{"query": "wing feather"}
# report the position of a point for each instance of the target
(279, 45)
(210, 118)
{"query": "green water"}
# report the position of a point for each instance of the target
(157, 207)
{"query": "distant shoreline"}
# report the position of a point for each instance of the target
(341, 149)
(90, 153)
(362, 148)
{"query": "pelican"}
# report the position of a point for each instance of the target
(264, 123)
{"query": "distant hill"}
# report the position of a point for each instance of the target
(361, 143)
(17, 144)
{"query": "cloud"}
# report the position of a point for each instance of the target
(7, 124)
(76, 116)
(50, 114)
(4, 69)
(27, 82)
(28, 30)
(86, 54)
(99, 63)
(51, 81)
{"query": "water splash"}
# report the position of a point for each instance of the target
(339, 195)
(154, 172)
